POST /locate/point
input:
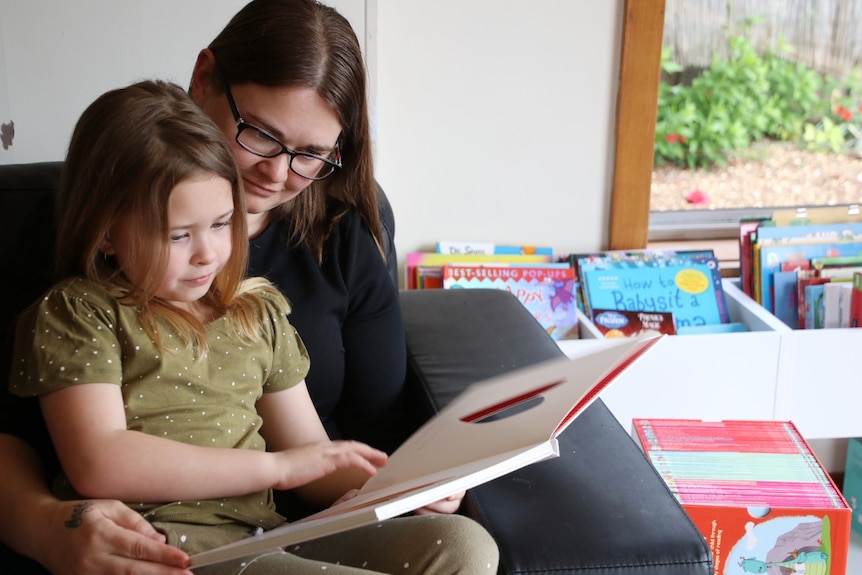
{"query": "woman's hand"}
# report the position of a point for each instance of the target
(448, 505)
(103, 537)
(75, 537)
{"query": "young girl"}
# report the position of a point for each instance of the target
(160, 372)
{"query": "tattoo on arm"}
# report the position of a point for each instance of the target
(75, 520)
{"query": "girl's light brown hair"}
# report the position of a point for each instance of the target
(304, 43)
(129, 149)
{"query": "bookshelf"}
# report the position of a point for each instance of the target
(771, 372)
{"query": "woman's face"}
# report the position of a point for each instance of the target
(297, 116)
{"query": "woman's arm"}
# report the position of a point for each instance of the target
(104, 459)
(289, 422)
(75, 537)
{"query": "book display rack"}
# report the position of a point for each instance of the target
(770, 372)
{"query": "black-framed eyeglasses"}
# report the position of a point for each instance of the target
(261, 143)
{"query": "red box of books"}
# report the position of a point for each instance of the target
(755, 490)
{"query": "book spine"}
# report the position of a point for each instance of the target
(856, 301)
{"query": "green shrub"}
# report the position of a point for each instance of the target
(746, 98)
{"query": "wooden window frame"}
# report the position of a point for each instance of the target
(637, 104)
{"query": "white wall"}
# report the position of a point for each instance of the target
(494, 118)
(59, 56)
(56, 57)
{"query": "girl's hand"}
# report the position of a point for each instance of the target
(347, 496)
(301, 465)
(448, 505)
(102, 537)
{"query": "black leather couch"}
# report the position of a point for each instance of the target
(598, 509)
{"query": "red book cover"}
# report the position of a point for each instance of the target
(856, 301)
(747, 230)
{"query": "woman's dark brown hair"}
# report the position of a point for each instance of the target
(304, 43)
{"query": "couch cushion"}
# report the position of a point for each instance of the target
(600, 508)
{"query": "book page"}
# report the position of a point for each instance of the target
(492, 428)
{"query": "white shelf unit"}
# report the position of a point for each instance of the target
(810, 377)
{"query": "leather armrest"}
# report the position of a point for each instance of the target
(600, 507)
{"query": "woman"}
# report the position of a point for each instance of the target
(292, 97)
(309, 184)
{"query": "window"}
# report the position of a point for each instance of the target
(632, 224)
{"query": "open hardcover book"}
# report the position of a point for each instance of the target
(493, 428)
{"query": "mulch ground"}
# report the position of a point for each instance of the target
(770, 175)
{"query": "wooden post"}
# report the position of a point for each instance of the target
(643, 25)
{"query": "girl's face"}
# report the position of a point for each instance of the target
(297, 116)
(199, 212)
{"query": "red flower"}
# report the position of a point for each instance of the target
(697, 197)
(675, 139)
(844, 113)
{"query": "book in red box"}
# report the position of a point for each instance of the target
(755, 490)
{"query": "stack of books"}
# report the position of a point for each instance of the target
(800, 266)
(638, 292)
(546, 288)
(755, 490)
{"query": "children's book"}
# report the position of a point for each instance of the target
(756, 492)
(805, 279)
(814, 311)
(765, 262)
(548, 291)
(841, 231)
(687, 286)
(836, 304)
(431, 264)
(772, 256)
(631, 258)
(813, 216)
(786, 304)
(624, 323)
(856, 301)
(747, 232)
(449, 247)
(492, 428)
(623, 258)
(837, 268)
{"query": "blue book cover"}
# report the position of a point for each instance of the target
(814, 306)
(733, 327)
(688, 288)
(785, 296)
(638, 258)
